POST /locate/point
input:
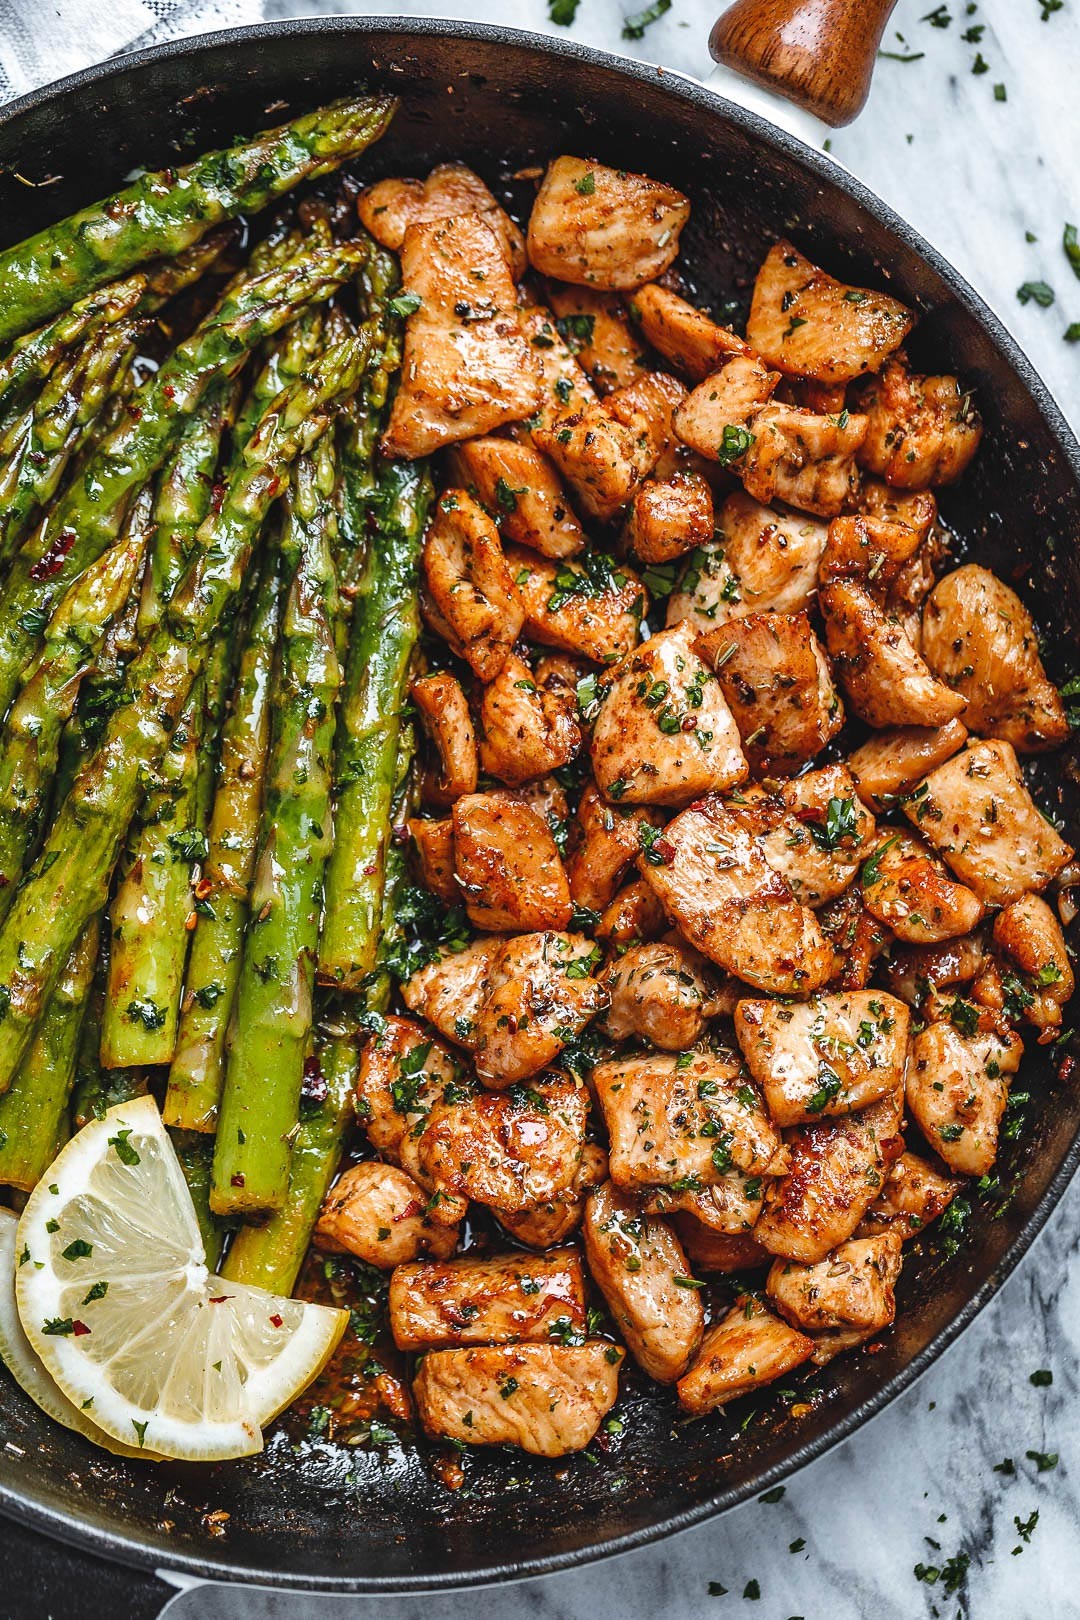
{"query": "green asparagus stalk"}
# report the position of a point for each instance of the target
(97, 1089)
(270, 1036)
(163, 213)
(197, 1072)
(88, 517)
(33, 1114)
(291, 353)
(69, 881)
(385, 628)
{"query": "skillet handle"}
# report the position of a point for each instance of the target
(818, 53)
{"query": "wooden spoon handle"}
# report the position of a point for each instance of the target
(818, 53)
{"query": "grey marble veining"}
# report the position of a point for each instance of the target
(975, 175)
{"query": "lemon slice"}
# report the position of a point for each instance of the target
(115, 1297)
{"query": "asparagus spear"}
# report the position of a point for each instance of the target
(385, 627)
(290, 354)
(270, 1036)
(69, 881)
(88, 516)
(166, 212)
(33, 1114)
(197, 1071)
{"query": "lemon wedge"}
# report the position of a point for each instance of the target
(115, 1297)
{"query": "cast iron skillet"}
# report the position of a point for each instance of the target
(358, 1521)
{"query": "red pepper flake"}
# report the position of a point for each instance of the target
(277, 1321)
(1066, 1067)
(79, 1328)
(237, 1180)
(413, 1208)
(169, 391)
(664, 849)
(219, 1299)
(217, 497)
(53, 560)
(370, 869)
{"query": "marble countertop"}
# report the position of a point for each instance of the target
(989, 176)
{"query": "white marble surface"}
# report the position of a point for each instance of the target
(974, 174)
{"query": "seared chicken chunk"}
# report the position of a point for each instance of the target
(669, 517)
(596, 330)
(682, 1127)
(890, 763)
(507, 866)
(376, 1212)
(389, 207)
(470, 585)
(913, 1197)
(849, 1295)
(812, 830)
(602, 458)
(527, 727)
(869, 550)
(807, 324)
(522, 491)
(719, 1251)
(915, 972)
(565, 385)
(433, 841)
(501, 1299)
(775, 677)
(604, 227)
(979, 815)
(639, 1266)
(857, 938)
(686, 336)
(548, 1399)
(512, 1150)
(805, 460)
(747, 1349)
(634, 917)
(762, 562)
(908, 889)
(915, 507)
(593, 610)
(610, 837)
(837, 1170)
(466, 367)
(664, 734)
(978, 637)
(886, 681)
(830, 1055)
(957, 1089)
(712, 878)
(662, 993)
(1030, 934)
(450, 991)
(444, 710)
(554, 1221)
(731, 1205)
(713, 419)
(921, 431)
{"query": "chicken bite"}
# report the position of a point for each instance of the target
(528, 727)
(763, 561)
(466, 367)
(663, 993)
(498, 1299)
(905, 887)
(433, 840)
(602, 227)
(664, 734)
(913, 1197)
(920, 431)
(633, 917)
(511, 1150)
(730, 1205)
(885, 680)
(597, 332)
(812, 830)
(745, 1350)
(958, 1088)
(669, 517)
(978, 637)
(827, 1056)
(857, 939)
(639, 1266)
(603, 459)
(507, 866)
(565, 384)
(554, 1221)
(523, 493)
(471, 598)
(389, 207)
(891, 762)
(713, 419)
(686, 336)
(592, 607)
(805, 460)
(1031, 935)
(848, 1297)
(807, 324)
(377, 1213)
(609, 837)
(719, 1251)
(444, 711)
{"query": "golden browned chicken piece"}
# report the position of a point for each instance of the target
(856, 937)
(713, 419)
(512, 1150)
(979, 815)
(920, 431)
(731, 1205)
(522, 491)
(500, 1299)
(889, 763)
(813, 830)
(592, 609)
(466, 367)
(595, 327)
(827, 1056)
(719, 1251)
(747, 1349)
(869, 550)
(978, 637)
(663, 993)
(553, 1222)
(527, 729)
(886, 681)
(915, 971)
(470, 597)
(906, 887)
(634, 917)
(389, 207)
(775, 678)
(669, 517)
(913, 1197)
(764, 561)
(682, 1127)
(444, 710)
(404, 1075)
(609, 837)
(664, 734)
(807, 324)
(548, 1399)
(957, 1089)
(433, 840)
(837, 1170)
(846, 1298)
(915, 507)
(639, 1266)
(654, 396)
(803, 459)
(507, 866)
(450, 991)
(1029, 933)
(601, 227)
(377, 1213)
(602, 458)
(686, 336)
(713, 880)
(565, 385)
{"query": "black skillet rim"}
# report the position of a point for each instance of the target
(131, 1551)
